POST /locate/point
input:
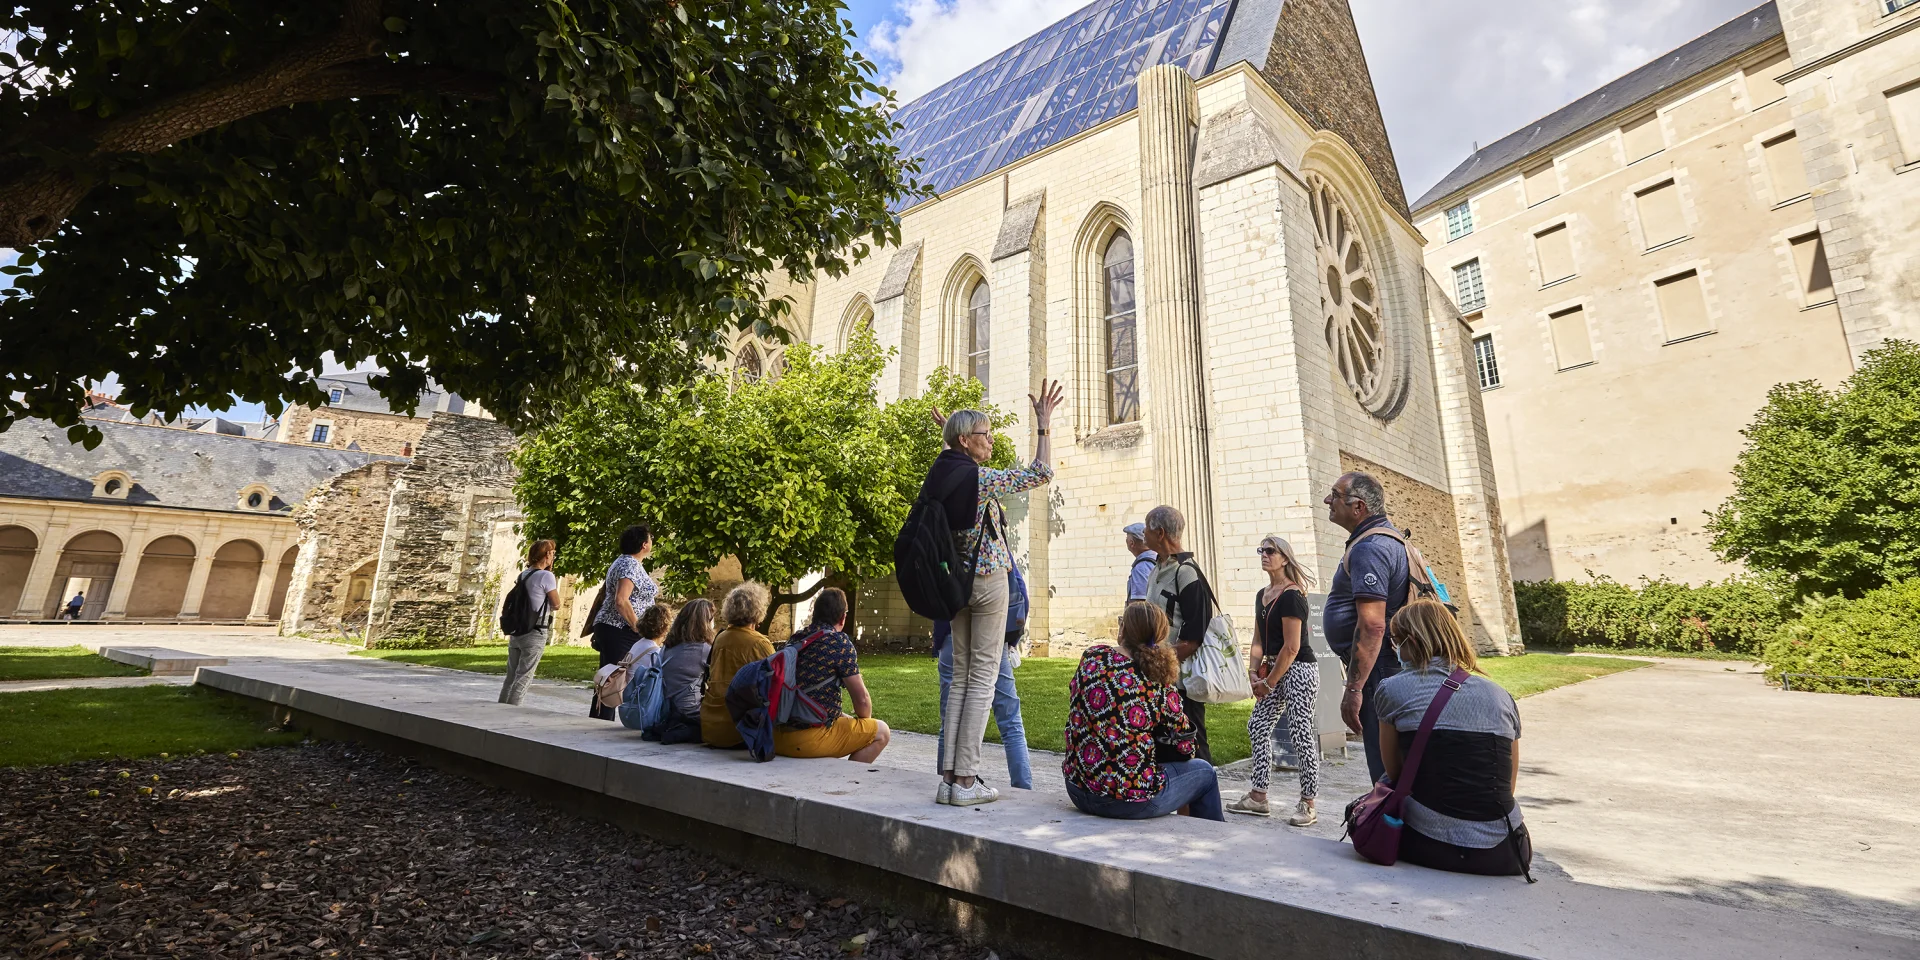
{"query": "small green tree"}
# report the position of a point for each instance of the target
(803, 473)
(1827, 491)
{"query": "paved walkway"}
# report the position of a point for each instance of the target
(1690, 777)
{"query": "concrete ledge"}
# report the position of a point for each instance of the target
(1172, 886)
(161, 661)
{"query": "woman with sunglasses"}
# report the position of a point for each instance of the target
(1286, 680)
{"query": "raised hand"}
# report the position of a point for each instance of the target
(1050, 397)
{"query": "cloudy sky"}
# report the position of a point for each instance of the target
(1449, 72)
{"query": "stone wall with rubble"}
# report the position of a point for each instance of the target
(440, 574)
(340, 525)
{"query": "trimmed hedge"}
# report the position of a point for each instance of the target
(1877, 635)
(1738, 616)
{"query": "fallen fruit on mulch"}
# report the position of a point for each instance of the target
(309, 852)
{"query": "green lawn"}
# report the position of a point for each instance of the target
(59, 663)
(906, 687)
(61, 726)
(560, 662)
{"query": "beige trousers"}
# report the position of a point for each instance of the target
(979, 641)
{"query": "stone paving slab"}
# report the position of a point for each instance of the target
(1232, 890)
(93, 683)
(162, 661)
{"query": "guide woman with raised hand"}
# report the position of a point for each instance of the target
(979, 523)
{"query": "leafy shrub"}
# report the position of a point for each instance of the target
(1877, 635)
(1737, 616)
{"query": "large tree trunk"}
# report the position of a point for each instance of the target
(785, 599)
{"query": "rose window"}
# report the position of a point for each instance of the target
(1350, 300)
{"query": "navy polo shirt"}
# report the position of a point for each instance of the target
(1376, 570)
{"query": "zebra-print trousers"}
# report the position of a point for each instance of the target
(1295, 697)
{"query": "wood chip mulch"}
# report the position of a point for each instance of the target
(330, 851)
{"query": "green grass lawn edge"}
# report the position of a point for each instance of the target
(44, 727)
(59, 663)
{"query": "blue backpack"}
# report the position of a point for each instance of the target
(766, 693)
(643, 705)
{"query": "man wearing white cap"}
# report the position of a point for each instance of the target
(1143, 561)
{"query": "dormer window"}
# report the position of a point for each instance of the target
(334, 395)
(113, 485)
(257, 497)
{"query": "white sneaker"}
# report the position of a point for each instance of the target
(944, 794)
(972, 796)
(1304, 815)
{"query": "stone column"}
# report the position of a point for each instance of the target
(1019, 279)
(133, 548)
(1169, 306)
(33, 596)
(197, 586)
(263, 585)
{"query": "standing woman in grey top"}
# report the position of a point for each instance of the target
(543, 595)
(1460, 812)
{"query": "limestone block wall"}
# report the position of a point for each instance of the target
(382, 433)
(436, 578)
(341, 526)
(1318, 65)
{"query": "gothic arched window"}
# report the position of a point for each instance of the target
(747, 365)
(980, 324)
(1123, 342)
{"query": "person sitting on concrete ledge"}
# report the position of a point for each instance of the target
(738, 645)
(1129, 744)
(828, 663)
(683, 660)
(1460, 813)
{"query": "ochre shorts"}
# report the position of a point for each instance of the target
(838, 739)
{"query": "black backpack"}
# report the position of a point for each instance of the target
(925, 564)
(517, 615)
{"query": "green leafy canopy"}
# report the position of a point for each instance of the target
(1827, 490)
(804, 473)
(519, 199)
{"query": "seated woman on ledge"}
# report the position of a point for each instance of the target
(1129, 745)
(1460, 813)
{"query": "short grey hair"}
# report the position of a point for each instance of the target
(1363, 487)
(963, 422)
(1167, 521)
(745, 605)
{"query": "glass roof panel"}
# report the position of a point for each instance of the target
(1070, 77)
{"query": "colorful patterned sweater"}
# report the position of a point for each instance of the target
(1120, 726)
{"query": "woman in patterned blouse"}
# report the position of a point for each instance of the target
(971, 493)
(1129, 745)
(628, 592)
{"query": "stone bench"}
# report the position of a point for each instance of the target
(161, 661)
(1173, 886)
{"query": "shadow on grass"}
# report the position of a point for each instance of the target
(62, 726)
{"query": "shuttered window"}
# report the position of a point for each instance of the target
(1784, 166)
(1810, 262)
(1643, 138)
(1683, 306)
(1572, 345)
(1543, 184)
(1554, 247)
(1660, 218)
(1905, 105)
(1763, 82)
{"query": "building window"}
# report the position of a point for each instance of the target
(1661, 220)
(1554, 248)
(1485, 363)
(321, 431)
(1894, 6)
(980, 329)
(1905, 106)
(1468, 289)
(114, 487)
(1785, 168)
(1572, 343)
(1542, 183)
(747, 364)
(334, 395)
(1810, 263)
(1683, 306)
(1459, 220)
(1123, 345)
(1643, 138)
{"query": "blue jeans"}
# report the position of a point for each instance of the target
(1188, 782)
(1006, 716)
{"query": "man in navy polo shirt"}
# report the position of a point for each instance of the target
(1368, 589)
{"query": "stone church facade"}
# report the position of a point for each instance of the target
(1189, 214)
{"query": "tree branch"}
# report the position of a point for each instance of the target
(784, 599)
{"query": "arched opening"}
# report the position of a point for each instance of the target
(358, 598)
(18, 546)
(87, 567)
(980, 332)
(1122, 340)
(232, 581)
(282, 578)
(747, 365)
(857, 318)
(160, 582)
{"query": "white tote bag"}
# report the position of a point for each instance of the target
(1216, 673)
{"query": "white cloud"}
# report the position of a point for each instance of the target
(925, 43)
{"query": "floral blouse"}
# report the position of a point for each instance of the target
(644, 591)
(994, 484)
(1119, 723)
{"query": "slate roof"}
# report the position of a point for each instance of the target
(357, 395)
(1717, 46)
(171, 467)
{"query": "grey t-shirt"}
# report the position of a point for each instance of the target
(1488, 721)
(680, 674)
